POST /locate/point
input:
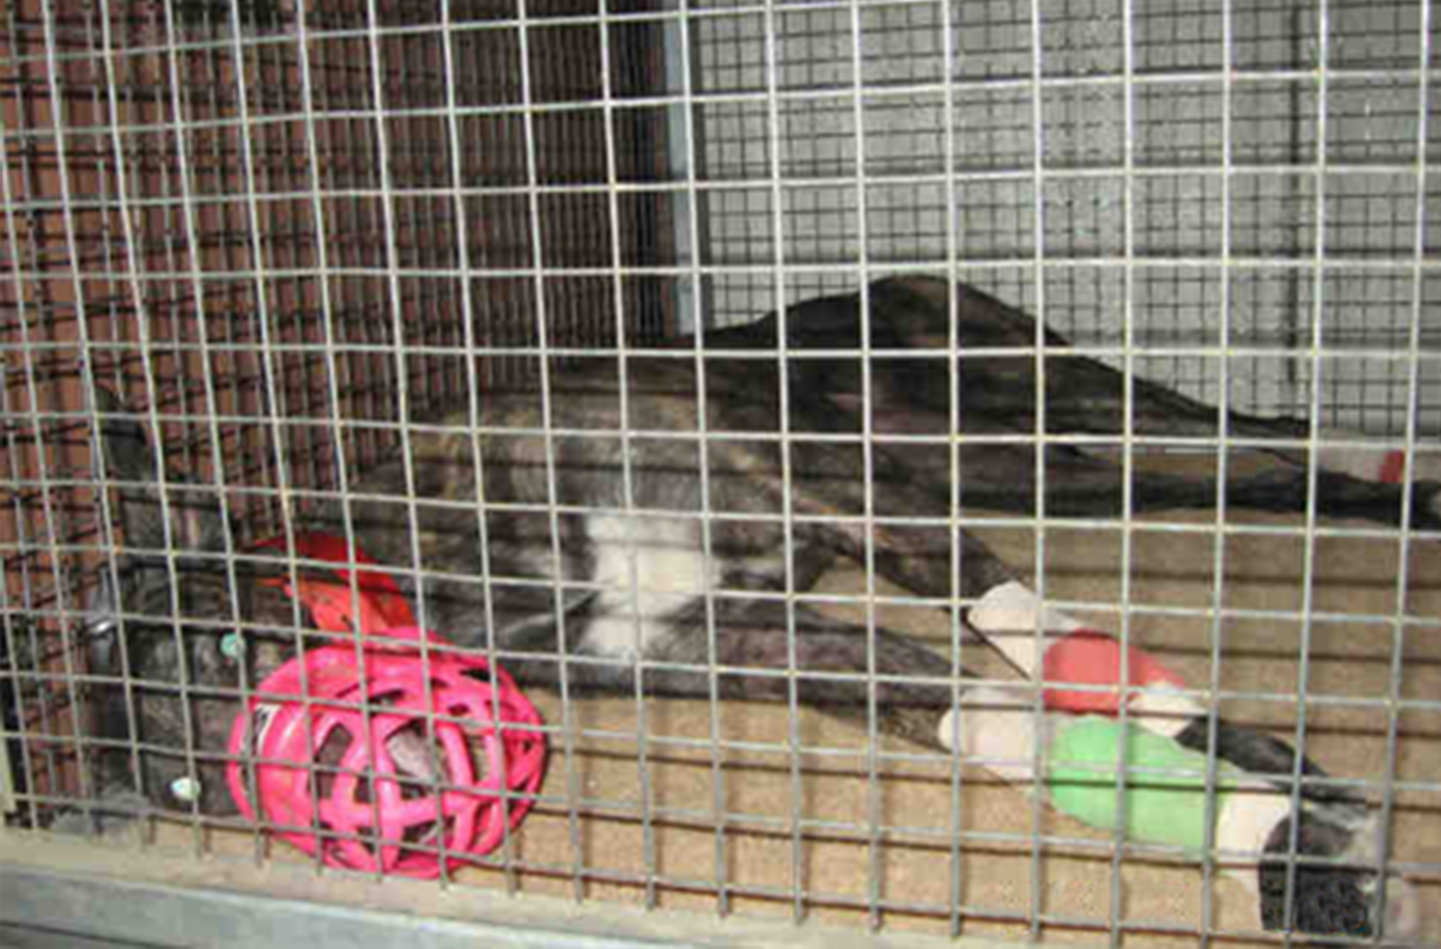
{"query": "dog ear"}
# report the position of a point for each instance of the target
(195, 518)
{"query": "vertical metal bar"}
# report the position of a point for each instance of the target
(537, 250)
(416, 74)
(778, 264)
(29, 175)
(62, 157)
(318, 101)
(420, 213)
(626, 467)
(1413, 412)
(142, 323)
(953, 379)
(192, 239)
(403, 409)
(1038, 223)
(873, 783)
(285, 160)
(12, 454)
(363, 226)
(107, 239)
(1291, 312)
(9, 802)
(404, 217)
(698, 322)
(1313, 459)
(472, 386)
(1223, 462)
(1115, 910)
(269, 371)
(7, 780)
(184, 102)
(327, 309)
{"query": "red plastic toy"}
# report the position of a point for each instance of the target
(310, 710)
(1088, 657)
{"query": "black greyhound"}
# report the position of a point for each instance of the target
(597, 553)
(996, 395)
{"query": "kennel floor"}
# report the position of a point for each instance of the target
(838, 868)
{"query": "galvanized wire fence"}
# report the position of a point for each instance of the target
(300, 240)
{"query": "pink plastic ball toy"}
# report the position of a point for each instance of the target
(327, 808)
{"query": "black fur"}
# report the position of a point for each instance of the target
(1328, 900)
(997, 395)
(1264, 756)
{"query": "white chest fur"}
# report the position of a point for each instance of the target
(649, 566)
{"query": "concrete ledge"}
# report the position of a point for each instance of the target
(150, 897)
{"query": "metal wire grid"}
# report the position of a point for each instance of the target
(356, 129)
(222, 345)
(1178, 146)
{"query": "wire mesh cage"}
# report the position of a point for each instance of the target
(839, 418)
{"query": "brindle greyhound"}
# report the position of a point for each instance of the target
(597, 554)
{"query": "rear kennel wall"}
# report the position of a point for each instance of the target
(188, 189)
(263, 221)
(894, 97)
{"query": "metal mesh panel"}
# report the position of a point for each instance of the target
(1370, 212)
(515, 296)
(165, 175)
